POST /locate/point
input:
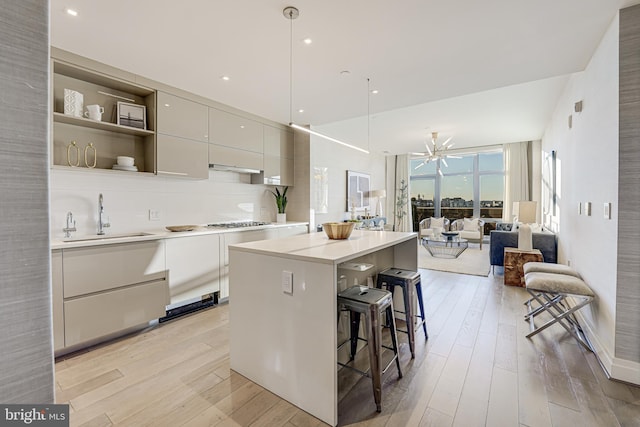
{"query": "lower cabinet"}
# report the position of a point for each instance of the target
(101, 290)
(193, 263)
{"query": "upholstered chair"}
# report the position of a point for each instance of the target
(427, 225)
(469, 229)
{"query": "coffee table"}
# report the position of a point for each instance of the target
(445, 247)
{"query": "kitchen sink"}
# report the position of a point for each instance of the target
(106, 237)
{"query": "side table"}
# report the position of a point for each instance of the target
(514, 259)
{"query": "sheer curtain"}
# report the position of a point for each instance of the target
(402, 174)
(516, 177)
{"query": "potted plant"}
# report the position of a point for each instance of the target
(281, 202)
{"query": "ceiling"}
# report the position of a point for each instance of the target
(481, 72)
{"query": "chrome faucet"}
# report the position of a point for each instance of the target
(102, 224)
(71, 225)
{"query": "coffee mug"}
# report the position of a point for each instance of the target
(94, 112)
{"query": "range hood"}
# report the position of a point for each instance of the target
(228, 168)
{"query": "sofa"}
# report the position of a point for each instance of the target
(544, 241)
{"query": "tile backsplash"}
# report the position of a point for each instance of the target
(128, 198)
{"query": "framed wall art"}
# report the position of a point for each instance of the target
(132, 115)
(358, 187)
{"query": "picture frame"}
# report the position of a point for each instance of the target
(358, 188)
(131, 115)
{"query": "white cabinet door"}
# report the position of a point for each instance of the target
(193, 263)
(278, 156)
(57, 300)
(182, 157)
(227, 156)
(234, 131)
(183, 118)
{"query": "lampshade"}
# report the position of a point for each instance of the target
(380, 194)
(527, 212)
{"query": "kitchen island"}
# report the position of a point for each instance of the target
(283, 310)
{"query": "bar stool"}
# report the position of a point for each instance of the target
(371, 302)
(409, 281)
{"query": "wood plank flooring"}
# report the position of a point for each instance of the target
(476, 369)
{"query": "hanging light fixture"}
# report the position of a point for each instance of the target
(292, 13)
(436, 152)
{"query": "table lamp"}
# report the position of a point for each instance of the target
(380, 194)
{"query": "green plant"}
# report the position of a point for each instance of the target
(281, 199)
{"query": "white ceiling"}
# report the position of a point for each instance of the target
(482, 72)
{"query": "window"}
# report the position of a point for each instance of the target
(470, 186)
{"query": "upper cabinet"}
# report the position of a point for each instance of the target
(278, 157)
(235, 141)
(121, 123)
(182, 146)
(182, 118)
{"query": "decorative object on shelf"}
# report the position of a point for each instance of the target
(358, 185)
(401, 204)
(436, 152)
(281, 203)
(73, 103)
(132, 115)
(94, 112)
(71, 150)
(125, 160)
(338, 230)
(379, 194)
(88, 151)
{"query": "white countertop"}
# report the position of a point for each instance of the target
(116, 238)
(318, 247)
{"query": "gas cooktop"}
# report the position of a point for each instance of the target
(237, 224)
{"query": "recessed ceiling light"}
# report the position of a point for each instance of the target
(72, 12)
(375, 91)
(167, 105)
(307, 41)
(225, 78)
(301, 111)
(345, 72)
(241, 126)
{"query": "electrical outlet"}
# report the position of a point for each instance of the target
(287, 282)
(154, 215)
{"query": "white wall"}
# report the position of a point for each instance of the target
(336, 160)
(225, 196)
(587, 171)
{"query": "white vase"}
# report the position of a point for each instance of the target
(281, 218)
(73, 103)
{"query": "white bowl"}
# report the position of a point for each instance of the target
(125, 161)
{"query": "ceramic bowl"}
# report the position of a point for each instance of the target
(338, 230)
(125, 161)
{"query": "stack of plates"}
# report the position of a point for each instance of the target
(125, 168)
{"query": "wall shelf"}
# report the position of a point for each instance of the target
(93, 124)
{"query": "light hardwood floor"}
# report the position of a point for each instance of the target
(476, 369)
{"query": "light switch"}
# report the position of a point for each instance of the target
(607, 210)
(154, 215)
(287, 282)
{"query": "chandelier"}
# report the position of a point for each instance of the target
(436, 152)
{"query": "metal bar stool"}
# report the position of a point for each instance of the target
(409, 281)
(371, 302)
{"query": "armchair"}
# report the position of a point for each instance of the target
(425, 227)
(469, 229)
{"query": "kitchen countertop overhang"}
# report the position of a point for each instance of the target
(131, 237)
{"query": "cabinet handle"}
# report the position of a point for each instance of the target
(171, 173)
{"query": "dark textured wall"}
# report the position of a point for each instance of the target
(628, 290)
(26, 355)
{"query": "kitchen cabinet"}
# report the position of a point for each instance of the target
(278, 158)
(108, 138)
(57, 300)
(182, 141)
(193, 263)
(182, 157)
(235, 141)
(110, 288)
(182, 118)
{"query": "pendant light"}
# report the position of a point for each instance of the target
(292, 13)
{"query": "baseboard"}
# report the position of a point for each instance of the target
(615, 368)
